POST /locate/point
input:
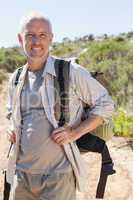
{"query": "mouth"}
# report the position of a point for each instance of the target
(36, 48)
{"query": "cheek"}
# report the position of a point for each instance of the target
(47, 43)
(27, 45)
(27, 48)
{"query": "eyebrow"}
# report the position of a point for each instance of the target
(46, 33)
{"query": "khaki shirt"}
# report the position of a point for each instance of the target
(83, 89)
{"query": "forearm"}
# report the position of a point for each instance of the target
(64, 135)
(88, 125)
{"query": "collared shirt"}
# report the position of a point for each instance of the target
(82, 89)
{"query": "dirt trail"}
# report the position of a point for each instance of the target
(119, 186)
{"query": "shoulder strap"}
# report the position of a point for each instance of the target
(106, 170)
(18, 75)
(61, 83)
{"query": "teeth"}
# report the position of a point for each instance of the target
(36, 47)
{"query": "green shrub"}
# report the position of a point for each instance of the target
(123, 123)
(11, 58)
(3, 75)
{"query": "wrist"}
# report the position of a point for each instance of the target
(76, 133)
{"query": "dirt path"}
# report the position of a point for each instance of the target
(119, 186)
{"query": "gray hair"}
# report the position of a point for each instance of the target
(31, 16)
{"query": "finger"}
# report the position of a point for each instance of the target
(58, 130)
(10, 132)
(62, 139)
(56, 136)
(11, 140)
(62, 134)
(59, 140)
(11, 137)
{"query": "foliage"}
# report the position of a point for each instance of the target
(11, 58)
(68, 48)
(115, 59)
(3, 76)
(123, 123)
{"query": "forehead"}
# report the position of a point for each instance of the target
(35, 25)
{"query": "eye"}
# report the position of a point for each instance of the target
(43, 36)
(29, 36)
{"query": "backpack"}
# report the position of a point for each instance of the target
(91, 142)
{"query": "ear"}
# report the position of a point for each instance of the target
(20, 39)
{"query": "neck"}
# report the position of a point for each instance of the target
(35, 65)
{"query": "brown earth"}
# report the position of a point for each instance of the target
(119, 186)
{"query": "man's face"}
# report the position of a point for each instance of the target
(36, 39)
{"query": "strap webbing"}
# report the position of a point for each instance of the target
(7, 188)
(106, 170)
(61, 83)
(18, 75)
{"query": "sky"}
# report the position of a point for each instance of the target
(70, 18)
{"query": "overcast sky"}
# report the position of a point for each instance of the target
(70, 18)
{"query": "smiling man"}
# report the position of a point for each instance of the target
(35, 38)
(47, 161)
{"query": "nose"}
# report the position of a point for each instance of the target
(35, 40)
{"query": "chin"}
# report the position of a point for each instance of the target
(37, 58)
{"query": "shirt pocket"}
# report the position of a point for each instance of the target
(74, 100)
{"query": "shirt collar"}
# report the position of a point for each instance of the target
(49, 66)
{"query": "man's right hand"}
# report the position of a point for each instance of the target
(11, 136)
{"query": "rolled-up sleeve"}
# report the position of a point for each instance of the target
(92, 93)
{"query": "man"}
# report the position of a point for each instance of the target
(47, 162)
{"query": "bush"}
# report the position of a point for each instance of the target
(115, 60)
(3, 76)
(11, 58)
(123, 123)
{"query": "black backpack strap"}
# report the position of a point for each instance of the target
(19, 70)
(61, 83)
(18, 75)
(106, 170)
(7, 188)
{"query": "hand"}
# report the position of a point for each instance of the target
(64, 135)
(11, 136)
